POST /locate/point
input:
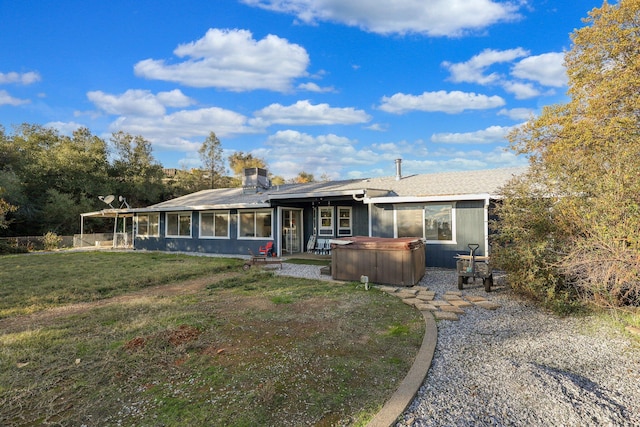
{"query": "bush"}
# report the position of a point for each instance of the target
(51, 241)
(7, 248)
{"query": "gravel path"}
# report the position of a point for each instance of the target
(521, 366)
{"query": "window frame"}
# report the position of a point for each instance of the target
(415, 209)
(345, 231)
(423, 207)
(326, 230)
(149, 224)
(179, 215)
(214, 213)
(256, 215)
(452, 207)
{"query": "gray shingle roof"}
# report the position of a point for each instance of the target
(423, 185)
(449, 183)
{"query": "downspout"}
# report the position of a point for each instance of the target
(486, 225)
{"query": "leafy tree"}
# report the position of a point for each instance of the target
(239, 161)
(303, 177)
(138, 176)
(5, 208)
(211, 156)
(574, 221)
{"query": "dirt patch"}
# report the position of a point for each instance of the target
(42, 318)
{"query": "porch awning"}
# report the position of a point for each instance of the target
(108, 213)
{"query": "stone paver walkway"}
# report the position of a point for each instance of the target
(449, 307)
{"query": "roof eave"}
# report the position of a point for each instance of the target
(422, 199)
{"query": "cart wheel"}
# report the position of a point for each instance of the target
(488, 283)
(460, 282)
(246, 267)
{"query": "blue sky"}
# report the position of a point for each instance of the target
(336, 88)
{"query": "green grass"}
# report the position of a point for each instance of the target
(250, 348)
(37, 281)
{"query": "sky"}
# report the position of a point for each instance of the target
(335, 88)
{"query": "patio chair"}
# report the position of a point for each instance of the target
(266, 250)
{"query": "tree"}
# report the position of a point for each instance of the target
(240, 161)
(137, 174)
(5, 208)
(211, 156)
(574, 220)
(303, 177)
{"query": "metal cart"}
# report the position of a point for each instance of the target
(473, 266)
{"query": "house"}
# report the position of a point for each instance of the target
(447, 210)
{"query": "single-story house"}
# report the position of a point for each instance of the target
(447, 210)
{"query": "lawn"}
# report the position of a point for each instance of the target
(169, 340)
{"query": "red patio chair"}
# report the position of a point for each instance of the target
(266, 250)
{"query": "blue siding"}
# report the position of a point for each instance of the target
(231, 245)
(470, 228)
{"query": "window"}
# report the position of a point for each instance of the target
(148, 225)
(439, 222)
(255, 224)
(409, 221)
(325, 226)
(214, 224)
(344, 221)
(179, 224)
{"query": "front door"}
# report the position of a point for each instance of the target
(291, 231)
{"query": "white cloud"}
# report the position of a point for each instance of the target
(233, 60)
(65, 128)
(139, 102)
(473, 70)
(448, 102)
(433, 18)
(305, 113)
(175, 130)
(312, 87)
(7, 99)
(521, 90)
(486, 136)
(290, 152)
(547, 69)
(19, 78)
(517, 113)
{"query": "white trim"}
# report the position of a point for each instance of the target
(332, 217)
(426, 199)
(137, 219)
(255, 211)
(350, 229)
(215, 212)
(454, 227)
(178, 236)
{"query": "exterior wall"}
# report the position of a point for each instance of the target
(359, 221)
(469, 221)
(231, 245)
(470, 228)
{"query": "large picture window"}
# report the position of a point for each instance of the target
(179, 224)
(439, 222)
(255, 224)
(325, 221)
(148, 225)
(214, 224)
(409, 220)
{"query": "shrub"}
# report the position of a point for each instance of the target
(51, 241)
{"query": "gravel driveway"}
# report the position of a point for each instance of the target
(521, 366)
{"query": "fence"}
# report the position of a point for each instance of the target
(36, 243)
(122, 240)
